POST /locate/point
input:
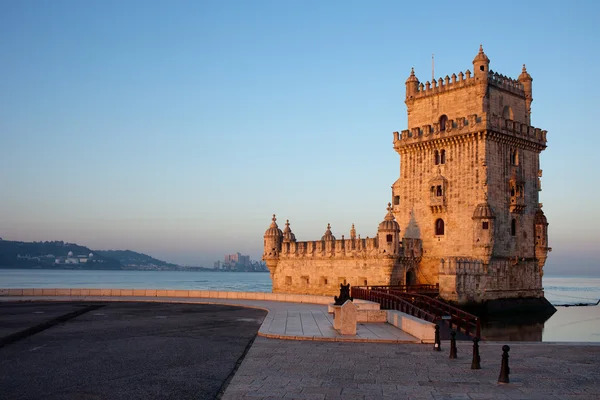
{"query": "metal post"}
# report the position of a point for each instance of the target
(438, 344)
(476, 363)
(453, 350)
(504, 369)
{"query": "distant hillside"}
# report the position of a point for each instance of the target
(56, 254)
(129, 258)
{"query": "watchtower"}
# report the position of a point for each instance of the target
(469, 183)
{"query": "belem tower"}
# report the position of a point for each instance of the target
(465, 211)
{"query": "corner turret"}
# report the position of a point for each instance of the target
(481, 65)
(272, 245)
(525, 79)
(484, 222)
(541, 238)
(412, 85)
(388, 234)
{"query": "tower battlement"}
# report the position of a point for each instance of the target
(458, 127)
(463, 80)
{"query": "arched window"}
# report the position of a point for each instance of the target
(514, 157)
(443, 156)
(439, 227)
(443, 120)
(507, 113)
(439, 192)
(436, 157)
(411, 278)
(513, 227)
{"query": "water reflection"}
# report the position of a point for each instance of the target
(567, 324)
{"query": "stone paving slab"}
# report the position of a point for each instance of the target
(285, 320)
(276, 369)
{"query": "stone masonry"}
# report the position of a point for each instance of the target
(465, 211)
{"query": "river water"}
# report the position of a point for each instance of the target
(570, 323)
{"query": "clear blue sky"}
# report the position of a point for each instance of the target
(177, 128)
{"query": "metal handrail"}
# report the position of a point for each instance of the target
(461, 320)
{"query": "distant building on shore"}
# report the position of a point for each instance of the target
(239, 262)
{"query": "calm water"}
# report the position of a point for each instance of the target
(574, 324)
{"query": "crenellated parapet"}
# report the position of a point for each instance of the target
(442, 85)
(505, 83)
(459, 127)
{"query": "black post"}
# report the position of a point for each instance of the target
(453, 344)
(504, 369)
(438, 344)
(476, 363)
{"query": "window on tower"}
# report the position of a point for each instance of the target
(436, 157)
(513, 227)
(485, 225)
(396, 200)
(443, 156)
(514, 157)
(443, 120)
(439, 227)
(389, 238)
(438, 191)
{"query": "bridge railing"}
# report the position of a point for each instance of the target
(391, 302)
(453, 316)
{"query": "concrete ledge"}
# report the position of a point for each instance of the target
(201, 294)
(421, 329)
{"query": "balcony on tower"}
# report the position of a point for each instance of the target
(437, 193)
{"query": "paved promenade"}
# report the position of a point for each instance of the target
(321, 364)
(285, 320)
(277, 369)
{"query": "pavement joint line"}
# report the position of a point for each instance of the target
(6, 340)
(238, 363)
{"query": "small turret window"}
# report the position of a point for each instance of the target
(443, 120)
(485, 225)
(389, 238)
(439, 227)
(514, 157)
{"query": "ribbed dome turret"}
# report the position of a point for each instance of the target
(273, 230)
(524, 75)
(288, 236)
(389, 222)
(481, 57)
(483, 210)
(328, 236)
(540, 218)
(412, 77)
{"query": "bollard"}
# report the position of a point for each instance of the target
(504, 369)
(453, 350)
(476, 363)
(438, 344)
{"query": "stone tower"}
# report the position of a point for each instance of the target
(469, 184)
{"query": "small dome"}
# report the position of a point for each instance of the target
(288, 236)
(540, 218)
(91, 255)
(412, 77)
(273, 230)
(524, 75)
(328, 236)
(483, 210)
(389, 222)
(70, 254)
(481, 57)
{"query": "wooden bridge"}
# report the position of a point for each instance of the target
(418, 301)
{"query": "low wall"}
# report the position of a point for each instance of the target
(208, 294)
(421, 329)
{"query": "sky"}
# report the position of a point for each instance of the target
(178, 128)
